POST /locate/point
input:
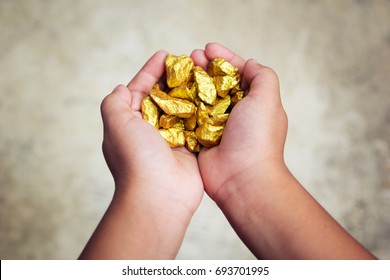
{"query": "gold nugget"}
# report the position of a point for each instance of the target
(206, 88)
(172, 106)
(220, 106)
(150, 112)
(183, 93)
(191, 143)
(167, 121)
(225, 83)
(201, 114)
(220, 67)
(218, 120)
(174, 136)
(179, 70)
(236, 97)
(195, 108)
(209, 135)
(190, 123)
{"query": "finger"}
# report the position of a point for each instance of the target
(116, 103)
(263, 82)
(215, 50)
(199, 58)
(143, 82)
(118, 99)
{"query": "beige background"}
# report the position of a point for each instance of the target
(58, 59)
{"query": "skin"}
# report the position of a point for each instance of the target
(158, 189)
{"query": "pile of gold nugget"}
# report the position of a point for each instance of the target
(194, 109)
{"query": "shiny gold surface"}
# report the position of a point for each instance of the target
(195, 107)
(174, 136)
(183, 92)
(218, 120)
(172, 106)
(191, 142)
(178, 70)
(223, 84)
(167, 121)
(205, 85)
(236, 97)
(190, 123)
(220, 106)
(220, 67)
(209, 135)
(150, 112)
(201, 114)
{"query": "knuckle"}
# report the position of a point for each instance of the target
(270, 74)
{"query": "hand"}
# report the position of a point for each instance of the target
(255, 134)
(247, 177)
(138, 157)
(157, 189)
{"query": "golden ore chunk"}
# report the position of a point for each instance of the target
(205, 85)
(192, 143)
(196, 105)
(150, 111)
(174, 136)
(201, 114)
(223, 84)
(220, 107)
(179, 70)
(172, 106)
(220, 67)
(218, 120)
(236, 97)
(190, 123)
(167, 121)
(209, 135)
(183, 93)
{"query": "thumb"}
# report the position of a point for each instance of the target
(115, 109)
(263, 82)
(117, 104)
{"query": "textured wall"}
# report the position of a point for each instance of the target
(58, 59)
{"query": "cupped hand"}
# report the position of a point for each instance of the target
(141, 161)
(254, 136)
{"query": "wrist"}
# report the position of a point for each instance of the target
(153, 199)
(147, 228)
(250, 201)
(247, 198)
(249, 184)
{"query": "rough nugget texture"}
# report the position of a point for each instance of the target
(150, 111)
(194, 109)
(220, 67)
(205, 85)
(172, 106)
(179, 70)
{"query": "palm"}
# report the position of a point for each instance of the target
(221, 162)
(136, 152)
(172, 174)
(253, 132)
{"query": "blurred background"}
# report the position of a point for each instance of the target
(58, 59)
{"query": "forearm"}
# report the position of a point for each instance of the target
(278, 219)
(133, 229)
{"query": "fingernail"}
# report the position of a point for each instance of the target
(117, 87)
(254, 60)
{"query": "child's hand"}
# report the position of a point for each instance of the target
(254, 136)
(247, 177)
(157, 189)
(138, 157)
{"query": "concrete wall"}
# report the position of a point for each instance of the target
(58, 59)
